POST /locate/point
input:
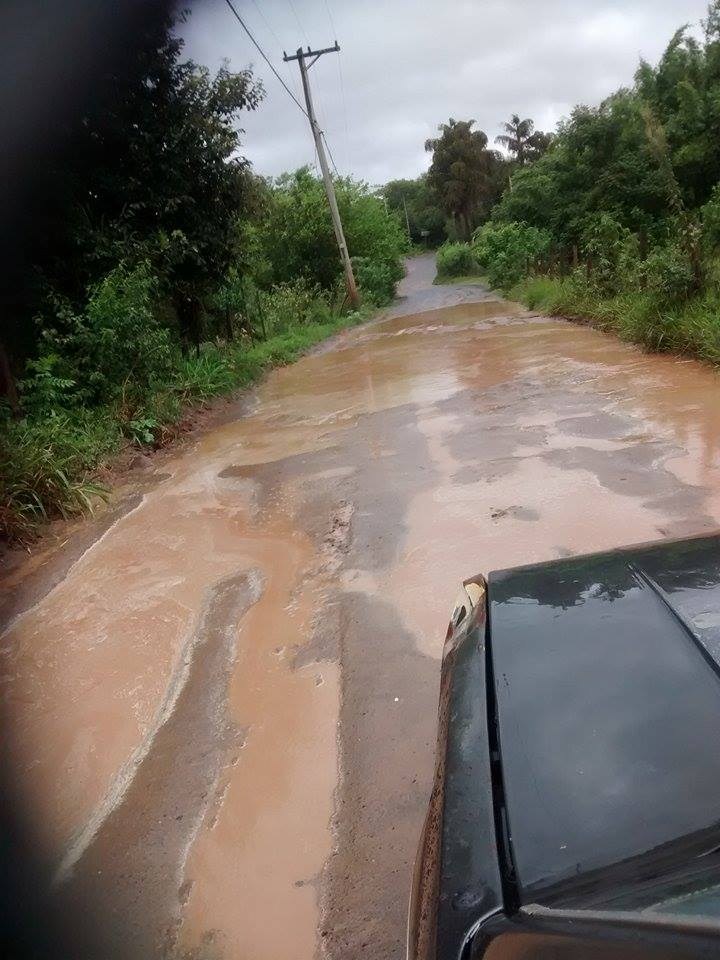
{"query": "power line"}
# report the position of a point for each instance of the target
(344, 106)
(332, 158)
(330, 18)
(297, 20)
(277, 75)
(279, 43)
(267, 22)
(265, 58)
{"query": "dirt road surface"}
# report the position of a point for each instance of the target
(220, 713)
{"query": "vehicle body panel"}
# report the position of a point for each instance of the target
(577, 795)
(609, 714)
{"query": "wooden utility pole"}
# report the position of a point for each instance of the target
(301, 56)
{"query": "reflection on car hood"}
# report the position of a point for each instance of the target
(608, 701)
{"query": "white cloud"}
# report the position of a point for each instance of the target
(407, 65)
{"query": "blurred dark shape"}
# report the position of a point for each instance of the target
(56, 57)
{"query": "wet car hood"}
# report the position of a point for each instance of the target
(608, 711)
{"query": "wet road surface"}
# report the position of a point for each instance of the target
(220, 714)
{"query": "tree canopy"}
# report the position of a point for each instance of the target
(522, 140)
(466, 177)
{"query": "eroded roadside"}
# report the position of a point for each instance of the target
(221, 717)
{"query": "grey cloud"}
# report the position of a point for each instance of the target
(408, 65)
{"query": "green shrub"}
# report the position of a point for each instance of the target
(612, 249)
(296, 234)
(48, 467)
(667, 273)
(42, 391)
(292, 303)
(114, 346)
(710, 221)
(455, 260)
(377, 278)
(199, 377)
(504, 250)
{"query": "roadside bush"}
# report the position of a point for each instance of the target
(291, 303)
(377, 278)
(42, 390)
(114, 345)
(685, 325)
(296, 234)
(667, 273)
(204, 375)
(613, 250)
(455, 260)
(503, 250)
(48, 467)
(710, 221)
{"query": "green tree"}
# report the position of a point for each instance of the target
(522, 140)
(600, 161)
(151, 172)
(417, 206)
(465, 175)
(297, 237)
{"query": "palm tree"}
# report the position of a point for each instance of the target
(518, 137)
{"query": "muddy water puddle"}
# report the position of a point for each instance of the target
(421, 449)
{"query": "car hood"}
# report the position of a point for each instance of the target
(607, 693)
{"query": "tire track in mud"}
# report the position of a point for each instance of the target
(131, 873)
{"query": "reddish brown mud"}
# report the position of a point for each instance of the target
(220, 714)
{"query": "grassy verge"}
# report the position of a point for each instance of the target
(50, 466)
(465, 278)
(690, 326)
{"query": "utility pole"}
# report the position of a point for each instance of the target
(301, 56)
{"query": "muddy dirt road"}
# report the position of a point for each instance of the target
(221, 713)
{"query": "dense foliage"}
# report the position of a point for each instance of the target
(296, 237)
(625, 205)
(418, 207)
(162, 272)
(506, 251)
(467, 177)
(455, 259)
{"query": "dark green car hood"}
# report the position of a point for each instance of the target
(608, 710)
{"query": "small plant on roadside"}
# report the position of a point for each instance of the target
(377, 279)
(506, 250)
(115, 341)
(47, 468)
(41, 390)
(667, 273)
(455, 260)
(141, 430)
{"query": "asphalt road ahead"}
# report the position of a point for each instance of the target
(220, 699)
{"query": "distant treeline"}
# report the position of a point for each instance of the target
(616, 217)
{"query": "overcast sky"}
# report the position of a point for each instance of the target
(407, 65)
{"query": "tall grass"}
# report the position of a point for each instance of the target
(49, 465)
(688, 326)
